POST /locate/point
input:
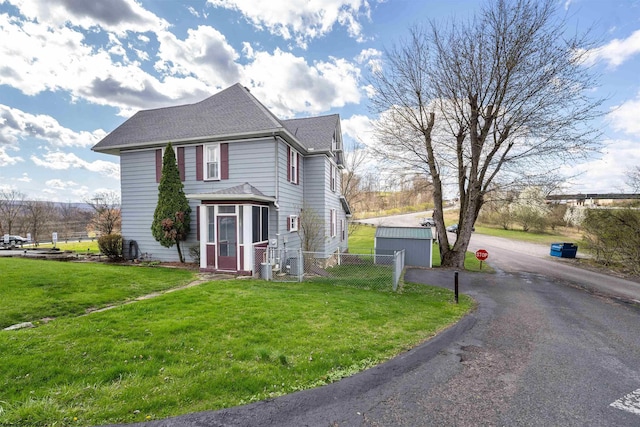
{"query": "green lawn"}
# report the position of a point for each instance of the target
(561, 235)
(212, 346)
(84, 247)
(35, 289)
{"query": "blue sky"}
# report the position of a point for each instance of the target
(73, 70)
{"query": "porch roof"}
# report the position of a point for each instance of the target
(243, 192)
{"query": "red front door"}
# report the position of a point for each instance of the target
(227, 243)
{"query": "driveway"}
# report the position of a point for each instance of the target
(539, 350)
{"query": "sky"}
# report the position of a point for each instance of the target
(71, 71)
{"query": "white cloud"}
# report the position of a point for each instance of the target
(24, 178)
(64, 62)
(625, 117)
(616, 51)
(5, 158)
(359, 127)
(204, 54)
(116, 15)
(302, 20)
(17, 125)
(287, 84)
(58, 160)
(193, 11)
(371, 57)
(58, 184)
(607, 173)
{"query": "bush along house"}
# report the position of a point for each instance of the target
(248, 175)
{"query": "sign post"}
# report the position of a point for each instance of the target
(481, 255)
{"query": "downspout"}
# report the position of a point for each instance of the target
(277, 189)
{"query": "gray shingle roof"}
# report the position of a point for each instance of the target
(313, 132)
(244, 191)
(232, 112)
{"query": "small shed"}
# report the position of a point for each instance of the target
(416, 241)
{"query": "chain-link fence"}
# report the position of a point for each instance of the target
(380, 271)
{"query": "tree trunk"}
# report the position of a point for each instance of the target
(180, 256)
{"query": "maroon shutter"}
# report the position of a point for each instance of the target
(298, 169)
(199, 163)
(181, 162)
(198, 223)
(158, 164)
(288, 163)
(224, 161)
(288, 223)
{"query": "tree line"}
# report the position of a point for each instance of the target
(22, 216)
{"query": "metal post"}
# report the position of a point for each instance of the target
(456, 287)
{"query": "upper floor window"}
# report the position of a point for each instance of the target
(212, 161)
(333, 178)
(294, 165)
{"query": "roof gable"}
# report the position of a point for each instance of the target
(230, 113)
(315, 133)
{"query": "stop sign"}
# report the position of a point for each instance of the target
(482, 254)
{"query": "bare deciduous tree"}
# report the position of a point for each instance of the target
(310, 229)
(11, 205)
(356, 156)
(633, 179)
(480, 102)
(38, 215)
(107, 218)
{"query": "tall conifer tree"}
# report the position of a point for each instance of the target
(172, 217)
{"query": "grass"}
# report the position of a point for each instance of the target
(561, 234)
(216, 345)
(82, 247)
(36, 289)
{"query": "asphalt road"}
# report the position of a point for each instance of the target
(549, 345)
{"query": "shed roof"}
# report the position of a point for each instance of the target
(416, 233)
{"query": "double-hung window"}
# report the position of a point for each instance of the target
(333, 222)
(333, 178)
(212, 161)
(294, 163)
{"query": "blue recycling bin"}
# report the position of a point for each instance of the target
(564, 250)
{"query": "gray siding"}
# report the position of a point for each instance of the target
(289, 197)
(249, 161)
(417, 251)
(318, 195)
(139, 199)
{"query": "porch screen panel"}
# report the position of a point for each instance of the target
(211, 224)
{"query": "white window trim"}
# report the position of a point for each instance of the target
(205, 161)
(334, 220)
(293, 223)
(293, 166)
(333, 179)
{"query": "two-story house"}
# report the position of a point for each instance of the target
(248, 175)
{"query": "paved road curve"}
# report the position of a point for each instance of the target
(539, 351)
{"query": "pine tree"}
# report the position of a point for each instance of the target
(172, 217)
